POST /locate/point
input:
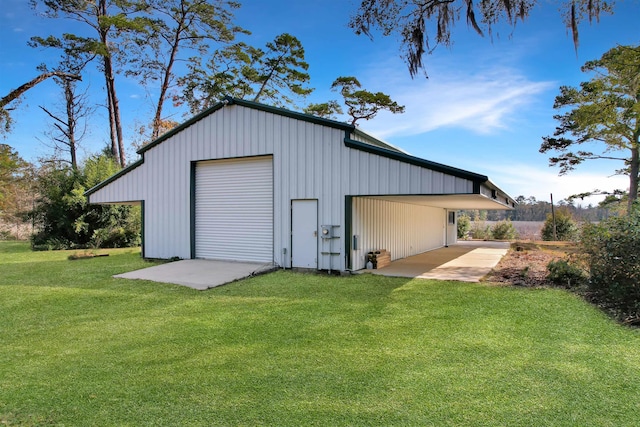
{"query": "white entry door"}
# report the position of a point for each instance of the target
(304, 233)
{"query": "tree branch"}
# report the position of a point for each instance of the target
(16, 93)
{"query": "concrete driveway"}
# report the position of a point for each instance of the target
(466, 261)
(200, 274)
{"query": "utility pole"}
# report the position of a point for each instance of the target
(553, 216)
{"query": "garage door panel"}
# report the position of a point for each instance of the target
(234, 209)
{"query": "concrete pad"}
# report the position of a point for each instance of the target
(200, 274)
(466, 261)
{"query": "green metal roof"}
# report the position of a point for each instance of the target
(417, 161)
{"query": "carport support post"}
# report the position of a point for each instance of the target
(348, 212)
(192, 209)
(447, 214)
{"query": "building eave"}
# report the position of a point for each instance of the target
(417, 161)
(112, 178)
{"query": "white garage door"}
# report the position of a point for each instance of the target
(234, 209)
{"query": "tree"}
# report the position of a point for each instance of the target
(280, 69)
(327, 110)
(362, 104)
(422, 25)
(5, 118)
(463, 226)
(12, 172)
(16, 187)
(605, 109)
(108, 19)
(226, 73)
(178, 25)
(565, 226)
(63, 216)
(69, 126)
(611, 250)
(270, 76)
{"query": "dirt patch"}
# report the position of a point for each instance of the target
(526, 262)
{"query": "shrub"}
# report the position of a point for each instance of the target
(6, 235)
(65, 219)
(566, 229)
(39, 242)
(504, 230)
(464, 225)
(562, 273)
(612, 252)
(479, 230)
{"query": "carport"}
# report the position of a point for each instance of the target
(409, 225)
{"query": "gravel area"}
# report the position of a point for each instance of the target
(526, 263)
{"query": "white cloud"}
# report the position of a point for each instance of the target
(523, 179)
(483, 101)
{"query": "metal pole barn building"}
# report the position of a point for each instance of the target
(250, 182)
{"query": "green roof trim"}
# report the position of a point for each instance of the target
(289, 113)
(377, 141)
(417, 161)
(112, 178)
(249, 104)
(184, 125)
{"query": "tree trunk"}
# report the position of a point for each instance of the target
(634, 169)
(266, 80)
(112, 124)
(116, 112)
(71, 122)
(115, 125)
(164, 87)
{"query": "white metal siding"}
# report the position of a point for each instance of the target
(401, 228)
(310, 161)
(234, 209)
(125, 189)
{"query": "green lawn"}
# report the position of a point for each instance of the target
(79, 348)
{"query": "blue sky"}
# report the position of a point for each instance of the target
(485, 106)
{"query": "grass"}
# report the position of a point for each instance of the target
(79, 348)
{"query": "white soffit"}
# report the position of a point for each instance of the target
(453, 201)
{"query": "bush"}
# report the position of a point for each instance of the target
(504, 230)
(67, 221)
(562, 273)
(566, 229)
(6, 235)
(479, 230)
(612, 252)
(40, 242)
(464, 225)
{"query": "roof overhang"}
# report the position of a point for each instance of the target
(115, 176)
(447, 201)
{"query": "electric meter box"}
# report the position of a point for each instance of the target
(327, 231)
